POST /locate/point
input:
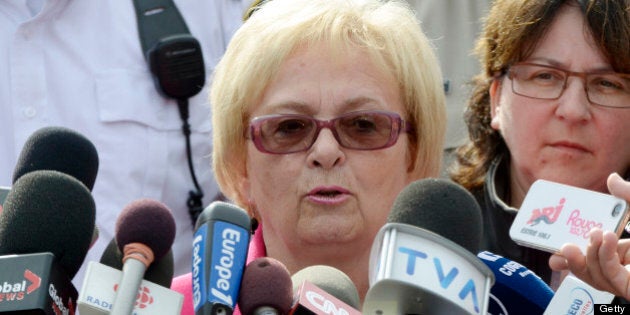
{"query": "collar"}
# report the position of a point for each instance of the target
(257, 247)
(497, 185)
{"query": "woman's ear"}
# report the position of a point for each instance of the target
(495, 100)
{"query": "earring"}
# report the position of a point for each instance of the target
(254, 223)
(253, 220)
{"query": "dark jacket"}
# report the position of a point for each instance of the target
(497, 219)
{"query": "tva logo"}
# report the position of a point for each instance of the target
(548, 215)
(445, 279)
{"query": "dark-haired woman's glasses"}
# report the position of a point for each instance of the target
(609, 89)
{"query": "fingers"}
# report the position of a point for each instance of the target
(575, 260)
(584, 266)
(593, 260)
(612, 268)
(623, 250)
(618, 187)
(557, 262)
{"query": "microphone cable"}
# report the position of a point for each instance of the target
(194, 201)
(176, 62)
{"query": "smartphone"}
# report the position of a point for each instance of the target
(553, 214)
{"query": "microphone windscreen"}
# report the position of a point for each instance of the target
(442, 207)
(266, 282)
(331, 280)
(148, 222)
(516, 290)
(48, 211)
(59, 149)
(159, 271)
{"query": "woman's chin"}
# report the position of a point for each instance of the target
(329, 234)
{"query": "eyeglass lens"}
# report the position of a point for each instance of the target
(293, 133)
(544, 82)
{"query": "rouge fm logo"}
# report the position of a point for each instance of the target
(548, 215)
(17, 291)
(144, 297)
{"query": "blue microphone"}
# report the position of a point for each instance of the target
(516, 290)
(220, 246)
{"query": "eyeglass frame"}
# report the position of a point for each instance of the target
(398, 125)
(568, 73)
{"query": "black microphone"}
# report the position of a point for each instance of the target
(443, 207)
(159, 272)
(59, 149)
(46, 229)
(145, 230)
(323, 290)
(266, 288)
(423, 261)
(220, 246)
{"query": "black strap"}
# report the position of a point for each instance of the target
(176, 62)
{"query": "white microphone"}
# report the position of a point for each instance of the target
(416, 271)
(145, 231)
(575, 296)
(100, 286)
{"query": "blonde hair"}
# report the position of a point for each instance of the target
(387, 30)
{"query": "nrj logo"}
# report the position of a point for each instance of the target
(548, 215)
(144, 297)
(10, 291)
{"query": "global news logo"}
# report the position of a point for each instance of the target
(16, 291)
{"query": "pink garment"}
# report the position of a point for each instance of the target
(183, 283)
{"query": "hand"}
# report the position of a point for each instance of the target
(604, 265)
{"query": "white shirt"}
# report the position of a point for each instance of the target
(79, 64)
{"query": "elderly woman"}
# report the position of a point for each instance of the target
(323, 111)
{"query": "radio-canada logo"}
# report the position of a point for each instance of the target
(144, 297)
(547, 215)
(17, 291)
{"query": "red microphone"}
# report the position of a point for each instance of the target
(324, 290)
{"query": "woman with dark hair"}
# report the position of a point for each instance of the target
(552, 102)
